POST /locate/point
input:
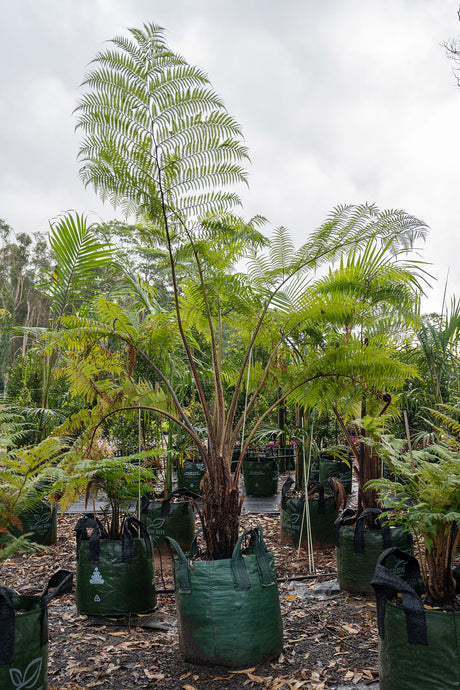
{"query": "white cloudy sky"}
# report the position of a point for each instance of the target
(341, 101)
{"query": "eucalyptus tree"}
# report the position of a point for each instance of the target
(158, 141)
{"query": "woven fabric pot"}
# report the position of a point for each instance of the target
(419, 648)
(41, 521)
(24, 634)
(165, 518)
(293, 518)
(189, 476)
(260, 475)
(228, 610)
(358, 549)
(332, 467)
(114, 577)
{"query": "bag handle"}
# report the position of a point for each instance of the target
(6, 625)
(347, 518)
(165, 501)
(59, 583)
(165, 505)
(238, 566)
(182, 572)
(285, 490)
(90, 521)
(131, 528)
(386, 582)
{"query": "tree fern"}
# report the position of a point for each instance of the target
(158, 139)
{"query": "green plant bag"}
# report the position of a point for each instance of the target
(358, 549)
(115, 577)
(189, 476)
(260, 476)
(332, 467)
(323, 514)
(41, 521)
(24, 634)
(164, 518)
(228, 610)
(419, 648)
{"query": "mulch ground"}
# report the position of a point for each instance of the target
(328, 643)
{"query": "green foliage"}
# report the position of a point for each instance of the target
(79, 259)
(120, 479)
(425, 497)
(25, 478)
(158, 141)
(157, 137)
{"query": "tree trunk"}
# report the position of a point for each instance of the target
(221, 510)
(441, 583)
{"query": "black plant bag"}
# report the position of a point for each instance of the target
(41, 521)
(189, 476)
(24, 634)
(114, 577)
(419, 648)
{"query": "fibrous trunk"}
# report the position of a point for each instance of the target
(221, 510)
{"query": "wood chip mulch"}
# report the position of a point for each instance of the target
(329, 642)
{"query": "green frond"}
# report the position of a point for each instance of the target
(155, 133)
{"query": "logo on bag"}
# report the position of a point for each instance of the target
(292, 520)
(29, 678)
(158, 522)
(97, 598)
(96, 578)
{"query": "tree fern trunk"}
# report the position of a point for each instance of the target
(221, 509)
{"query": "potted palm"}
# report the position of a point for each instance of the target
(370, 302)
(158, 140)
(419, 640)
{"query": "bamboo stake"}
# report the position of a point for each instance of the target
(406, 422)
(306, 511)
(246, 399)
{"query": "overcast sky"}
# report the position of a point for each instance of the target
(342, 101)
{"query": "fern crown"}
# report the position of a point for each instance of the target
(157, 136)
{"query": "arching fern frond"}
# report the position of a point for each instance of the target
(156, 134)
